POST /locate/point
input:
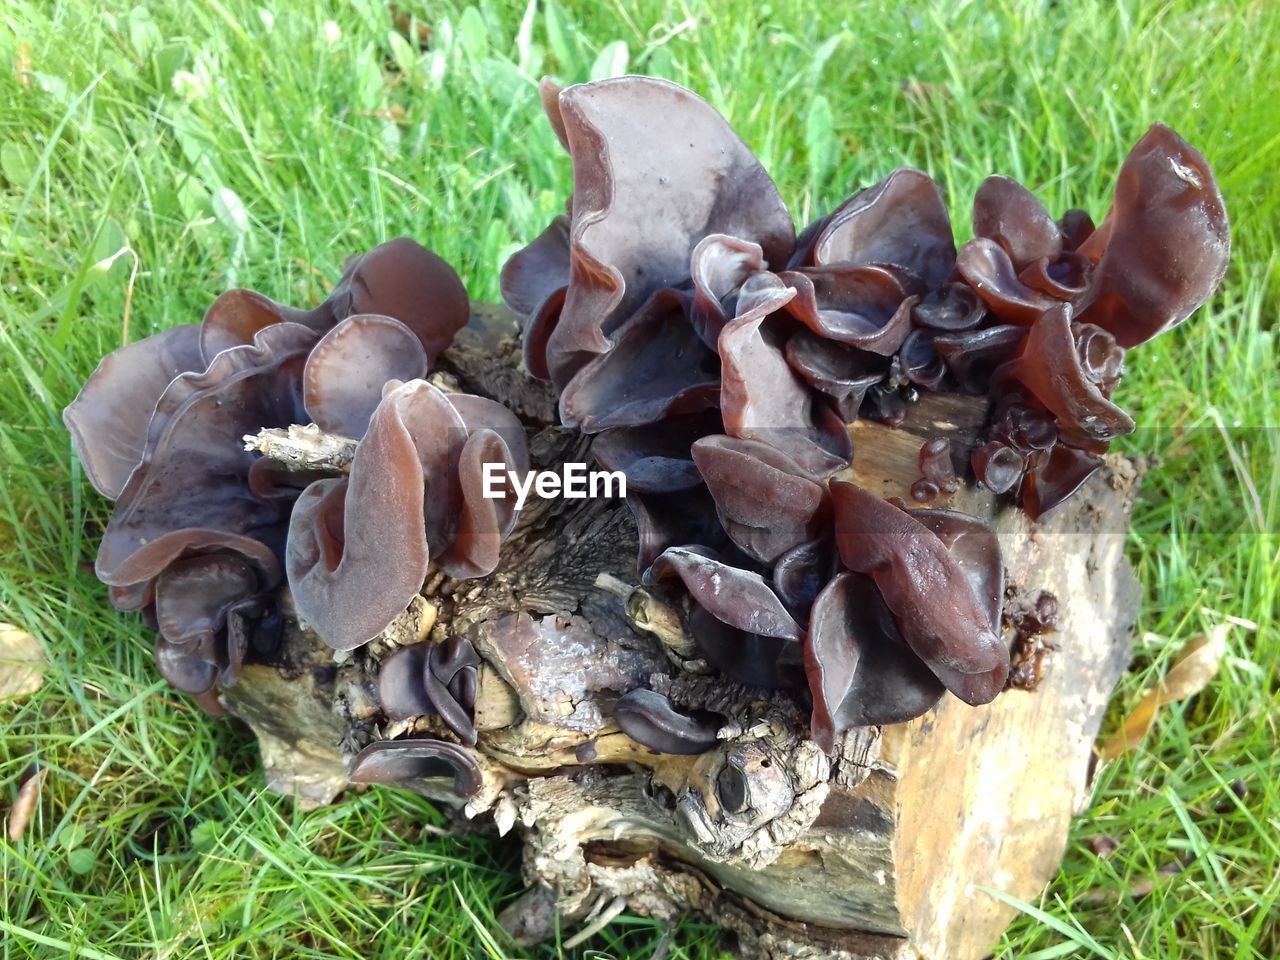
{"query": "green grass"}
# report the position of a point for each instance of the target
(147, 161)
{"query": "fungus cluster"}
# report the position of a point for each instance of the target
(718, 358)
(205, 532)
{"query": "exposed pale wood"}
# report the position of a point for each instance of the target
(887, 461)
(300, 447)
(880, 850)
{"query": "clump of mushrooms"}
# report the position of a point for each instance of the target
(719, 357)
(204, 532)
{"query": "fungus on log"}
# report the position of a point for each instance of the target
(768, 688)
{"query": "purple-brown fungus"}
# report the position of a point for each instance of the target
(936, 467)
(416, 765)
(206, 533)
(652, 720)
(860, 670)
(359, 548)
(719, 358)
(432, 678)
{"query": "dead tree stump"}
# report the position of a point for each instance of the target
(881, 850)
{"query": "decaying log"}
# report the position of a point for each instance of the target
(881, 850)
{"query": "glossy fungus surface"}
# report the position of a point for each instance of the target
(205, 533)
(652, 720)
(432, 678)
(673, 296)
(717, 359)
(417, 764)
(860, 670)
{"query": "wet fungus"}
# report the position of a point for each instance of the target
(432, 679)
(715, 358)
(653, 721)
(418, 765)
(205, 533)
(675, 290)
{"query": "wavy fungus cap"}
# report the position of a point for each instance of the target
(432, 678)
(197, 539)
(418, 765)
(641, 203)
(901, 221)
(346, 371)
(860, 670)
(738, 598)
(1164, 245)
(359, 548)
(109, 418)
(652, 720)
(766, 503)
(399, 278)
(187, 494)
(719, 359)
(947, 607)
(673, 293)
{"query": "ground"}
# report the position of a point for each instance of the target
(150, 160)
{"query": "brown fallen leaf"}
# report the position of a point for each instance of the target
(25, 805)
(22, 65)
(22, 662)
(1140, 887)
(1102, 846)
(1196, 665)
(402, 21)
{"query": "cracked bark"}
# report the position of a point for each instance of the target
(878, 851)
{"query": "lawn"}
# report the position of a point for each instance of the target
(149, 160)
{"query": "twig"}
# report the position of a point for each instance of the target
(590, 930)
(664, 942)
(303, 447)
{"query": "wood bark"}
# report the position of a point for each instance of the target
(882, 850)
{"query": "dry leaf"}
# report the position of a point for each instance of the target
(22, 662)
(22, 65)
(1140, 887)
(25, 805)
(1196, 665)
